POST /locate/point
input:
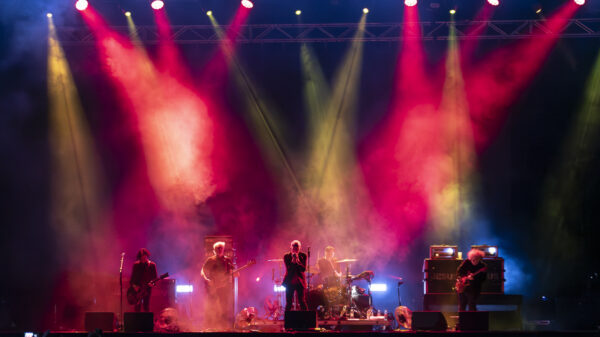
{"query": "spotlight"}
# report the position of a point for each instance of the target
(538, 11)
(410, 3)
(184, 288)
(378, 287)
(453, 11)
(81, 5)
(209, 13)
(580, 2)
(365, 10)
(49, 15)
(298, 12)
(128, 13)
(247, 3)
(494, 2)
(157, 4)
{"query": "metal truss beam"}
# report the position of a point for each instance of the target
(343, 32)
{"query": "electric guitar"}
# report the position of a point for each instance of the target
(464, 281)
(135, 296)
(222, 280)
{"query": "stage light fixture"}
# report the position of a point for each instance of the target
(580, 2)
(48, 15)
(247, 3)
(378, 287)
(538, 11)
(209, 13)
(452, 11)
(494, 2)
(410, 3)
(184, 288)
(81, 5)
(157, 4)
(365, 10)
(128, 13)
(298, 12)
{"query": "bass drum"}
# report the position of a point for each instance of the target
(360, 298)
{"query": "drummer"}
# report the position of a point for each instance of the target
(329, 269)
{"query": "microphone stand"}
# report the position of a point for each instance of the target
(121, 292)
(309, 274)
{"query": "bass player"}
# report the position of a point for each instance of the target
(217, 274)
(142, 275)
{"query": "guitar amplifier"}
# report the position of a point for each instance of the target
(494, 283)
(440, 276)
(163, 296)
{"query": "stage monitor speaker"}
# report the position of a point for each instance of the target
(104, 321)
(300, 320)
(474, 320)
(138, 322)
(429, 320)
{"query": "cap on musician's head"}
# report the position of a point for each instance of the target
(295, 243)
(219, 244)
(142, 252)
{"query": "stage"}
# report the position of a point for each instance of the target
(313, 333)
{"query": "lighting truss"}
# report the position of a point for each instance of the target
(344, 32)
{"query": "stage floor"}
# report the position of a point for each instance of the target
(313, 333)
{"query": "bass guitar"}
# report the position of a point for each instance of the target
(135, 296)
(223, 280)
(464, 281)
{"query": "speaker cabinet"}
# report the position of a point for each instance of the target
(138, 322)
(104, 321)
(429, 320)
(300, 320)
(474, 321)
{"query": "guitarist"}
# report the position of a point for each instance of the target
(144, 271)
(472, 272)
(217, 274)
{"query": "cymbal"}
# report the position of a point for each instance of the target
(346, 260)
(275, 260)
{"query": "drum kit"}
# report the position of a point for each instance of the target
(333, 297)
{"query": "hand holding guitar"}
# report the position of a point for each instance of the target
(135, 293)
(463, 281)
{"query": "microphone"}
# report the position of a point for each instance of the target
(308, 249)
(122, 258)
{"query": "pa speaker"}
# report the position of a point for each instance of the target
(300, 320)
(138, 322)
(429, 320)
(474, 320)
(104, 321)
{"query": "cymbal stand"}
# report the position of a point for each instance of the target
(277, 285)
(351, 308)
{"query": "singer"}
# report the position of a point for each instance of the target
(295, 280)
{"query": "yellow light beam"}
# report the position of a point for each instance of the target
(266, 126)
(339, 120)
(450, 192)
(563, 196)
(77, 203)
